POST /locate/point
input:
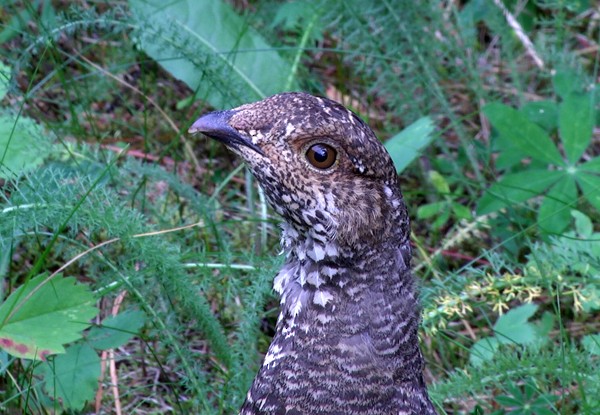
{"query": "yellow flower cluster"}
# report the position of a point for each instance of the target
(495, 291)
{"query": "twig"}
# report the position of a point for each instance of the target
(109, 356)
(527, 44)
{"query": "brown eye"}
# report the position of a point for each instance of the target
(322, 156)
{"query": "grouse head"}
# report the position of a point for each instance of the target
(320, 165)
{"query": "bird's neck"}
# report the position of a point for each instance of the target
(346, 335)
(323, 278)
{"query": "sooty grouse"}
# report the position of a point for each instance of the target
(346, 338)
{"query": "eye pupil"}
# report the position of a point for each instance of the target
(320, 153)
(321, 156)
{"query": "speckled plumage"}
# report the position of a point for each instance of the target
(346, 338)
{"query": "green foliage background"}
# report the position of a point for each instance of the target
(165, 245)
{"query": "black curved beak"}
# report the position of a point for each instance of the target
(216, 125)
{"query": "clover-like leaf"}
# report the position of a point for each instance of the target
(591, 166)
(555, 212)
(590, 187)
(524, 134)
(516, 188)
(576, 123)
(543, 113)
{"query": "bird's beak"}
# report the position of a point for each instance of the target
(216, 125)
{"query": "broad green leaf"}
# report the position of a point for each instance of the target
(430, 209)
(72, 377)
(509, 155)
(516, 188)
(543, 113)
(590, 187)
(583, 224)
(576, 123)
(524, 134)
(439, 183)
(506, 400)
(591, 166)
(461, 212)
(513, 326)
(555, 212)
(442, 219)
(591, 343)
(5, 76)
(116, 331)
(406, 146)
(23, 146)
(201, 41)
(565, 82)
(483, 351)
(42, 315)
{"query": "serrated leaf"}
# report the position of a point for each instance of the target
(407, 145)
(483, 351)
(591, 343)
(72, 378)
(576, 123)
(545, 325)
(177, 33)
(513, 327)
(555, 212)
(590, 187)
(527, 136)
(22, 145)
(516, 188)
(116, 330)
(42, 315)
(591, 293)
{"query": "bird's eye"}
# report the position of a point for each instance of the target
(322, 156)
